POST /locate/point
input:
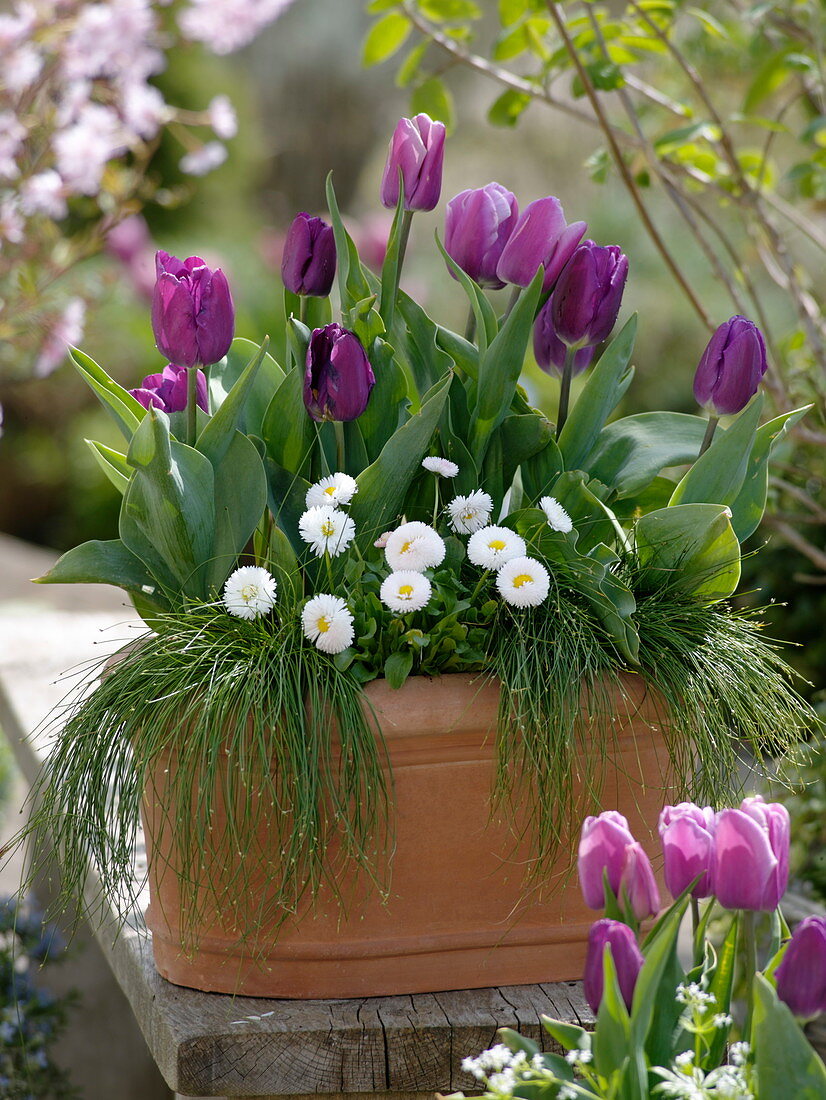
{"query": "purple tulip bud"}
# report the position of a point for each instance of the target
(308, 264)
(192, 313)
(637, 884)
(588, 295)
(338, 378)
(549, 350)
(751, 855)
(687, 833)
(628, 960)
(801, 976)
(418, 148)
(602, 848)
(731, 367)
(477, 227)
(540, 236)
(168, 391)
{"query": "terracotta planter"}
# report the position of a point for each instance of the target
(456, 917)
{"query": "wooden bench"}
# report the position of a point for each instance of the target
(220, 1046)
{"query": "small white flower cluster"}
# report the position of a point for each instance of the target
(694, 996)
(501, 1070)
(688, 1082)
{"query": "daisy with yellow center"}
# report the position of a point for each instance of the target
(491, 547)
(523, 582)
(249, 592)
(469, 513)
(405, 591)
(414, 546)
(328, 623)
(327, 530)
(336, 490)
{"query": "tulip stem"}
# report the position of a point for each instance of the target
(749, 941)
(711, 427)
(565, 389)
(404, 236)
(339, 427)
(191, 405)
(695, 917)
(302, 309)
(514, 298)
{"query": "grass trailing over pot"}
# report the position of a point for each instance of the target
(213, 714)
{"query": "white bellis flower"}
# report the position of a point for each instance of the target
(249, 592)
(491, 547)
(523, 582)
(335, 490)
(327, 530)
(405, 591)
(470, 513)
(328, 623)
(414, 546)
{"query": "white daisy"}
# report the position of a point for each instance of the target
(406, 590)
(558, 518)
(336, 490)
(414, 546)
(326, 529)
(491, 547)
(523, 582)
(441, 466)
(327, 623)
(468, 514)
(249, 592)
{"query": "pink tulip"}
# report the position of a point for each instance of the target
(687, 833)
(751, 855)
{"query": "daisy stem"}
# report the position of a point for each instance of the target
(565, 389)
(436, 501)
(479, 584)
(339, 427)
(328, 562)
(325, 466)
(191, 405)
(711, 427)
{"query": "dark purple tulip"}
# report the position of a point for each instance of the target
(478, 224)
(192, 313)
(588, 295)
(168, 390)
(540, 236)
(730, 370)
(418, 148)
(338, 378)
(308, 264)
(801, 976)
(751, 855)
(687, 833)
(549, 350)
(602, 847)
(628, 960)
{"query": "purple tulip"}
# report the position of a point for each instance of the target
(801, 976)
(418, 148)
(477, 227)
(192, 313)
(731, 367)
(168, 391)
(602, 847)
(548, 349)
(628, 960)
(687, 833)
(637, 883)
(308, 264)
(751, 855)
(540, 236)
(588, 295)
(338, 378)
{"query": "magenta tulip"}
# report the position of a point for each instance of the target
(541, 236)
(628, 961)
(417, 148)
(477, 227)
(588, 295)
(602, 848)
(801, 976)
(193, 317)
(168, 390)
(308, 264)
(637, 885)
(338, 377)
(548, 349)
(731, 367)
(687, 833)
(751, 855)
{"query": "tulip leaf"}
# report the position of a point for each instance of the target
(240, 500)
(168, 517)
(718, 475)
(427, 361)
(593, 521)
(224, 376)
(785, 1063)
(721, 987)
(352, 282)
(569, 1036)
(118, 402)
(288, 429)
(383, 485)
(750, 503)
(540, 471)
(113, 464)
(219, 433)
(104, 562)
(654, 1012)
(391, 268)
(281, 560)
(523, 437)
(388, 405)
(287, 495)
(486, 324)
(690, 547)
(611, 1041)
(603, 391)
(464, 354)
(629, 453)
(500, 368)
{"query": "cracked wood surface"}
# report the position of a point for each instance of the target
(220, 1046)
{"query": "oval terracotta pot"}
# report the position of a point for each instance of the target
(457, 915)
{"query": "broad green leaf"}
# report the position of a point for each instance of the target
(224, 375)
(717, 476)
(388, 406)
(352, 281)
(427, 361)
(654, 1012)
(507, 109)
(219, 432)
(603, 391)
(118, 402)
(611, 1041)
(523, 437)
(397, 668)
(113, 464)
(769, 78)
(450, 9)
(721, 986)
(286, 496)
(433, 98)
(487, 326)
(690, 547)
(569, 1036)
(167, 518)
(464, 354)
(104, 563)
(288, 430)
(516, 1042)
(409, 68)
(500, 368)
(240, 499)
(629, 453)
(593, 521)
(540, 472)
(787, 1066)
(390, 269)
(748, 507)
(281, 560)
(385, 37)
